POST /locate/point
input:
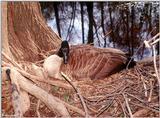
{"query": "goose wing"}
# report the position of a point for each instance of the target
(88, 61)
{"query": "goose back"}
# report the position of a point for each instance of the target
(95, 63)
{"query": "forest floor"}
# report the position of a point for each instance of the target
(129, 92)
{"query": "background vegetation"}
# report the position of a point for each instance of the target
(123, 25)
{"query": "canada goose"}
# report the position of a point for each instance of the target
(53, 63)
(84, 61)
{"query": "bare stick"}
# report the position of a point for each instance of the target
(105, 108)
(146, 107)
(151, 91)
(123, 109)
(153, 38)
(41, 94)
(33, 78)
(144, 85)
(38, 103)
(56, 83)
(156, 70)
(78, 93)
(127, 104)
(156, 41)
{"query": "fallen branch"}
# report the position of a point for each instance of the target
(78, 93)
(156, 70)
(127, 104)
(37, 108)
(48, 99)
(33, 78)
(151, 91)
(56, 83)
(149, 43)
(31, 88)
(145, 107)
(105, 108)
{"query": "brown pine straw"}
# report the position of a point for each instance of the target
(78, 93)
(99, 94)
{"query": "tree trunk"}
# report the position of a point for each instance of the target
(90, 17)
(5, 45)
(82, 20)
(132, 30)
(28, 33)
(55, 5)
(102, 23)
(96, 32)
(111, 26)
(128, 36)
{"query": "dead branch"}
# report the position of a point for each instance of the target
(78, 93)
(151, 91)
(145, 107)
(105, 108)
(58, 83)
(48, 99)
(149, 43)
(37, 108)
(127, 104)
(156, 70)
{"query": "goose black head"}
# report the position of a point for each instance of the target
(64, 51)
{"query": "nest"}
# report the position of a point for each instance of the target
(132, 92)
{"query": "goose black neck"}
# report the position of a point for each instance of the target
(64, 51)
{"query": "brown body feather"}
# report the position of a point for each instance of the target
(95, 63)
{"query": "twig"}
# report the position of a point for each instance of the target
(151, 91)
(127, 104)
(106, 107)
(145, 107)
(78, 93)
(135, 97)
(123, 109)
(148, 43)
(144, 85)
(38, 114)
(156, 41)
(155, 65)
(156, 70)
